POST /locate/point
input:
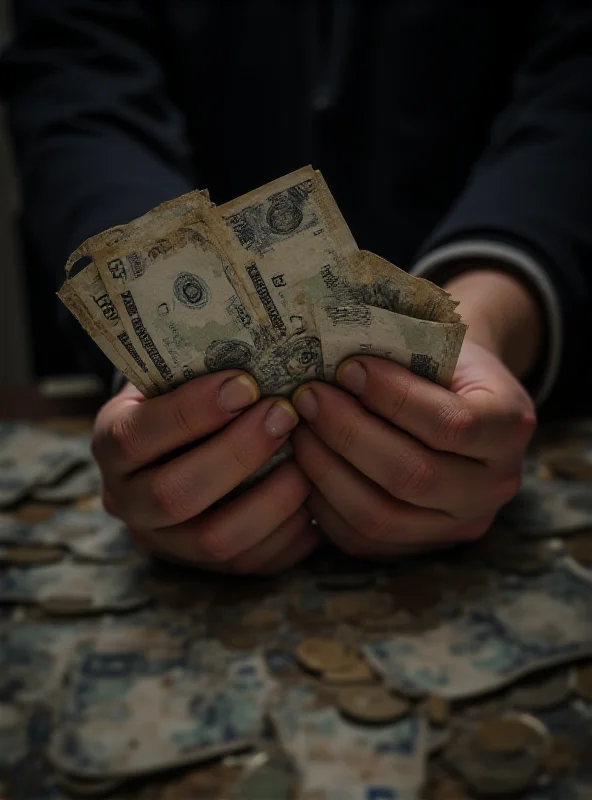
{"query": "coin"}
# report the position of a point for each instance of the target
(500, 755)
(356, 607)
(321, 653)
(579, 547)
(34, 512)
(444, 787)
(583, 682)
(85, 787)
(539, 692)
(354, 671)
(31, 555)
(371, 704)
(238, 638)
(262, 618)
(505, 735)
(437, 710)
(561, 756)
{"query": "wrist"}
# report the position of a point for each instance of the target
(502, 315)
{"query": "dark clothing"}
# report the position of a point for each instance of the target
(431, 121)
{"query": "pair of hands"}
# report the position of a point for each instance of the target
(392, 465)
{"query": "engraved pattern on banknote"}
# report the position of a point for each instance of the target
(349, 315)
(191, 290)
(233, 354)
(280, 216)
(266, 300)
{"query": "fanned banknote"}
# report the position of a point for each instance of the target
(191, 288)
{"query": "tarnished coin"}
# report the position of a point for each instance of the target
(31, 555)
(321, 653)
(355, 670)
(500, 755)
(437, 710)
(506, 735)
(506, 551)
(356, 607)
(262, 618)
(583, 682)
(539, 692)
(88, 503)
(561, 756)
(34, 512)
(371, 704)
(445, 787)
(579, 547)
(208, 783)
(238, 638)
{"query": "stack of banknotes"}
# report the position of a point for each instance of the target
(272, 282)
(464, 674)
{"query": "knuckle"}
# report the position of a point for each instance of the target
(181, 413)
(168, 498)
(380, 527)
(245, 455)
(347, 434)
(213, 546)
(414, 477)
(398, 398)
(125, 438)
(455, 425)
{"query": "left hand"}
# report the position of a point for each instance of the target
(405, 464)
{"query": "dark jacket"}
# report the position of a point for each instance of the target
(432, 121)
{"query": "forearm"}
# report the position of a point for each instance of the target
(502, 314)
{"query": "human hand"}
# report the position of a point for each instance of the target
(406, 465)
(164, 496)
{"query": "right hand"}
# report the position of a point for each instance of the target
(164, 496)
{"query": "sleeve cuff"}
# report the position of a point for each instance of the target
(444, 263)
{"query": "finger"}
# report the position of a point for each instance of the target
(296, 552)
(396, 461)
(171, 493)
(368, 508)
(219, 536)
(131, 432)
(480, 425)
(350, 541)
(273, 547)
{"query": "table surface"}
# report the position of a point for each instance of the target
(249, 616)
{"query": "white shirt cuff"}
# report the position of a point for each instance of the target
(434, 264)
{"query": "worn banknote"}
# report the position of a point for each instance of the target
(81, 482)
(340, 760)
(34, 657)
(551, 507)
(127, 682)
(525, 625)
(191, 288)
(73, 588)
(31, 457)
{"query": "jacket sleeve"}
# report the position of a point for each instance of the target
(531, 191)
(97, 140)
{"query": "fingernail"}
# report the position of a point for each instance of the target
(237, 393)
(352, 375)
(280, 419)
(306, 403)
